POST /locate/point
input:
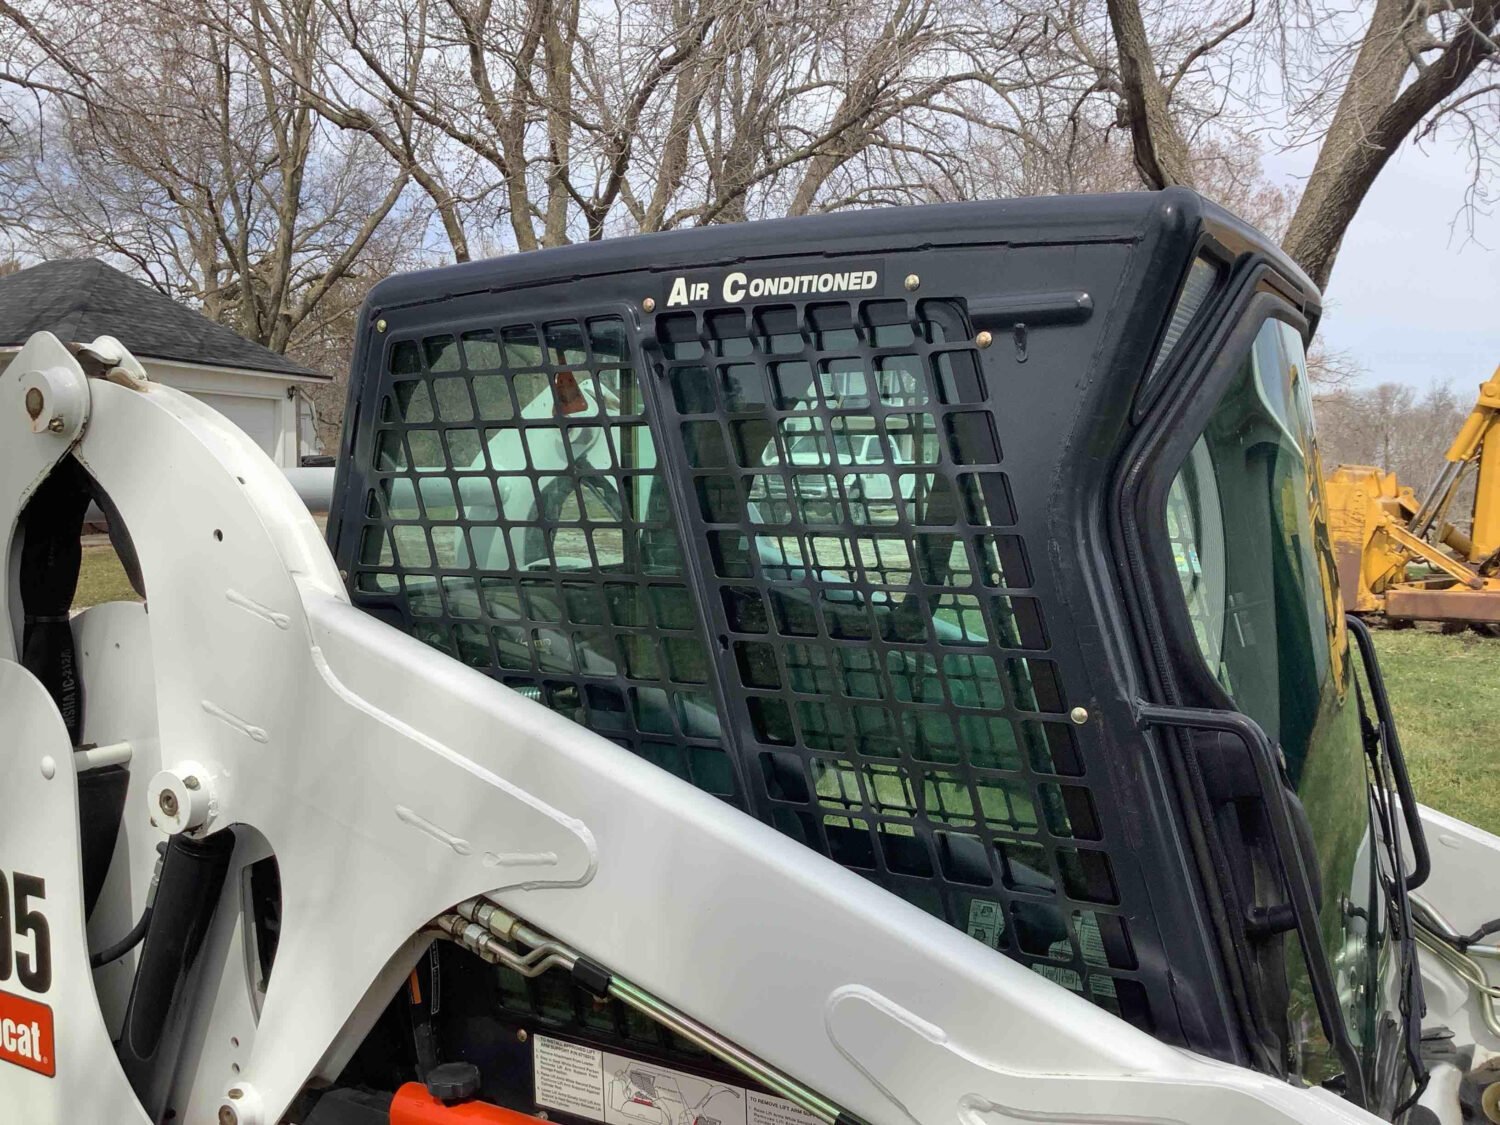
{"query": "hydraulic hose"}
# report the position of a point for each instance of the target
(51, 554)
(112, 953)
(487, 929)
(1437, 935)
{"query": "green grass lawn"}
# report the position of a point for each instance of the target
(102, 579)
(1446, 695)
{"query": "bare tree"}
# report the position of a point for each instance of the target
(162, 145)
(1161, 151)
(269, 160)
(1408, 69)
(1332, 369)
(1416, 66)
(546, 121)
(1084, 150)
(1392, 427)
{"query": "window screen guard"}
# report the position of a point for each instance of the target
(855, 653)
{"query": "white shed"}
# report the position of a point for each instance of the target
(80, 299)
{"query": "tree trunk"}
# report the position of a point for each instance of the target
(557, 62)
(1374, 116)
(447, 209)
(1161, 153)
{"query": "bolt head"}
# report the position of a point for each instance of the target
(380, 325)
(521, 1035)
(913, 283)
(984, 339)
(55, 425)
(34, 402)
(167, 802)
(649, 304)
(192, 783)
(1079, 715)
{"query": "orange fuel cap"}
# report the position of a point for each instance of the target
(415, 1105)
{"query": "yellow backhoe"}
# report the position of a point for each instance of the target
(1382, 532)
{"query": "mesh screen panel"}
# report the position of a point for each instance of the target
(856, 655)
(519, 509)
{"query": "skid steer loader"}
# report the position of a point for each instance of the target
(877, 668)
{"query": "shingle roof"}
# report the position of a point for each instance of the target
(77, 299)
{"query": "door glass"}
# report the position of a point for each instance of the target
(1245, 517)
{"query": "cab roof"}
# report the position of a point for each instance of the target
(1121, 217)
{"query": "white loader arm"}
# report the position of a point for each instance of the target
(391, 783)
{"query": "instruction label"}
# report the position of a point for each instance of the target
(568, 1077)
(618, 1090)
(986, 922)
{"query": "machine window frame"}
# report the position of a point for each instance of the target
(1177, 417)
(1358, 1033)
(1156, 467)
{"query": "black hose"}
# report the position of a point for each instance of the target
(51, 554)
(1442, 931)
(138, 931)
(1479, 935)
(124, 945)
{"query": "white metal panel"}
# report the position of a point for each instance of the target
(1464, 888)
(258, 417)
(39, 836)
(376, 827)
(114, 664)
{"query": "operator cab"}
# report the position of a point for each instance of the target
(980, 548)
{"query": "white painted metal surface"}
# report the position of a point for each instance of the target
(258, 417)
(314, 485)
(114, 661)
(39, 837)
(391, 782)
(1464, 887)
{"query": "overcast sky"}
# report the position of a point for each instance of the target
(1412, 296)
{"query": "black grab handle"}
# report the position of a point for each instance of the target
(1295, 864)
(1421, 857)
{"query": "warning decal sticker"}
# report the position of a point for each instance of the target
(618, 1090)
(568, 1077)
(26, 1034)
